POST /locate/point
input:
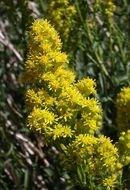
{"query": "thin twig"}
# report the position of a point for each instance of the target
(9, 45)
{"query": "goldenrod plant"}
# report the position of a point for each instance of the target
(59, 105)
(94, 160)
(123, 109)
(61, 14)
(122, 104)
(65, 111)
(124, 147)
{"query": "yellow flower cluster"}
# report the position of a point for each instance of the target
(123, 109)
(61, 14)
(62, 109)
(124, 147)
(110, 8)
(59, 107)
(106, 7)
(97, 155)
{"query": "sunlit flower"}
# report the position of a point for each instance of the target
(61, 108)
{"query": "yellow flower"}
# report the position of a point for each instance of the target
(32, 99)
(111, 8)
(39, 116)
(86, 86)
(123, 109)
(43, 29)
(58, 57)
(54, 96)
(60, 108)
(97, 156)
(71, 10)
(110, 182)
(67, 131)
(61, 131)
(53, 86)
(38, 98)
(61, 14)
(124, 147)
(58, 131)
(119, 166)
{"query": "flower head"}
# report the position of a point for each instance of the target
(60, 108)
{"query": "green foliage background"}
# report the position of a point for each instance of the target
(100, 51)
